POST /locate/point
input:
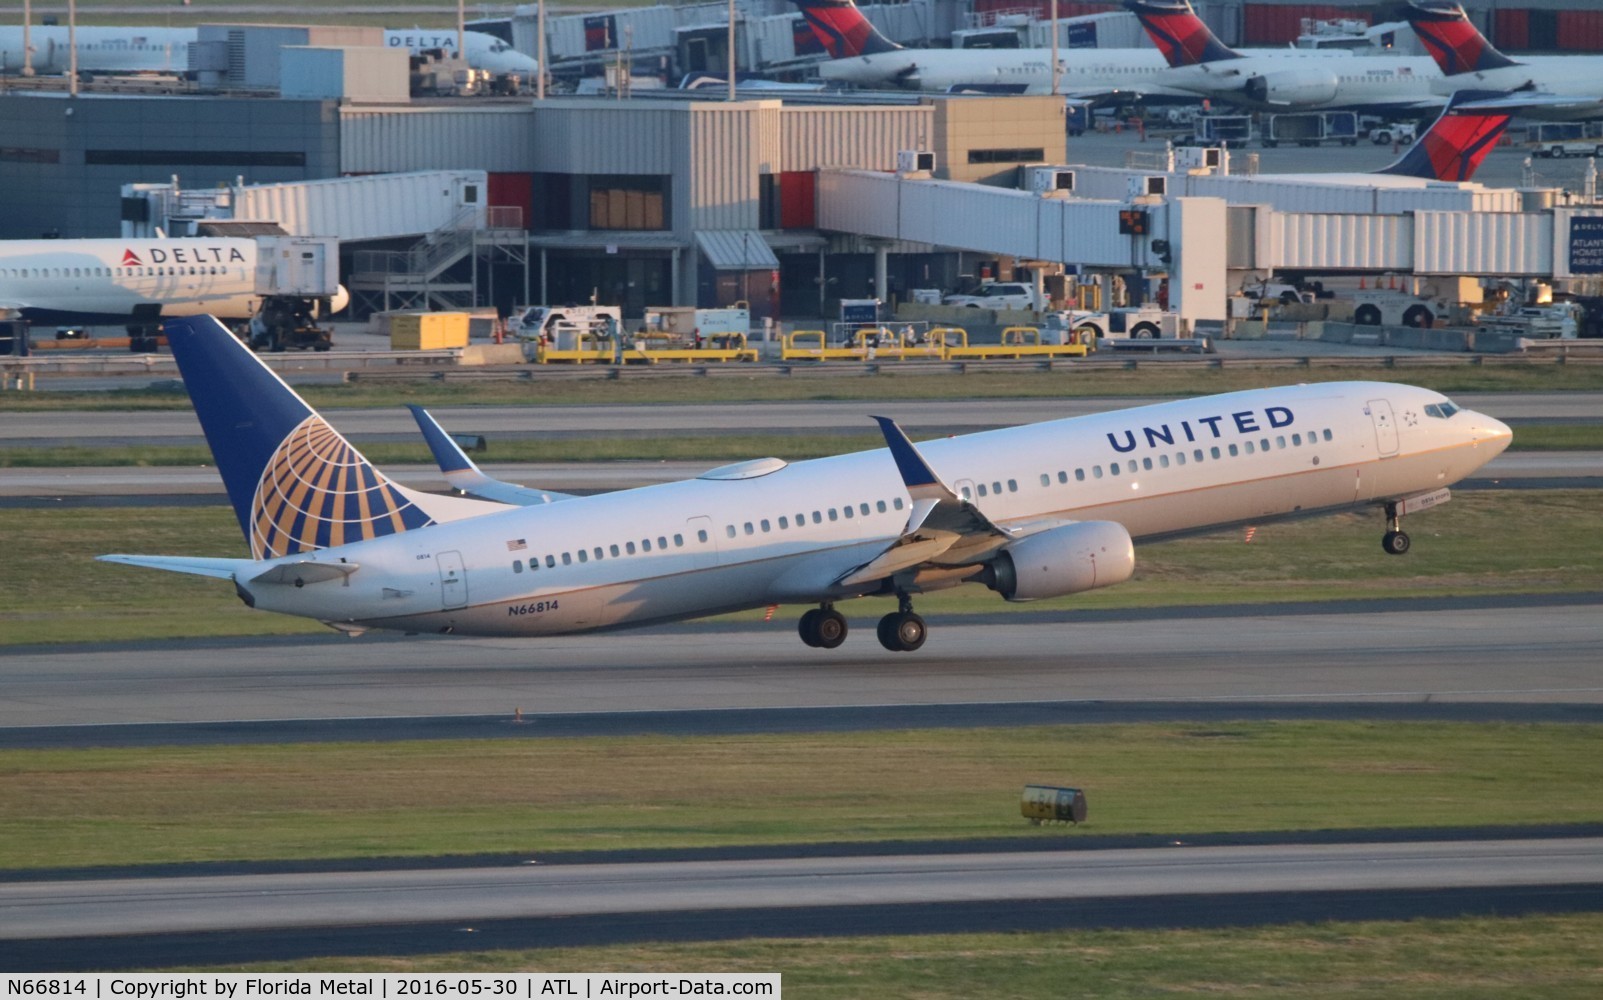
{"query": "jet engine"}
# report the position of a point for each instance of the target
(1292, 87)
(1064, 560)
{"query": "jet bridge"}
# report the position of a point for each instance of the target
(1203, 238)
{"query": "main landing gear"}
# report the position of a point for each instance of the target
(901, 631)
(1395, 540)
(823, 628)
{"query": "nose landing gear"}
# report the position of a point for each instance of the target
(1395, 540)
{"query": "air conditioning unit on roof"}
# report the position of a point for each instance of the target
(912, 161)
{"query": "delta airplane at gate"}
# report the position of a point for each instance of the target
(1031, 512)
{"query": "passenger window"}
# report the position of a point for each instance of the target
(678, 541)
(1146, 463)
(982, 489)
(1214, 451)
(1046, 480)
(1234, 451)
(897, 503)
(784, 522)
(996, 488)
(833, 515)
(1296, 440)
(629, 547)
(1096, 471)
(881, 506)
(1280, 441)
(1163, 461)
(847, 510)
(1063, 477)
(1196, 454)
(862, 509)
(550, 561)
(614, 550)
(1264, 444)
(583, 556)
(1012, 485)
(701, 536)
(765, 525)
(598, 553)
(645, 543)
(567, 559)
(1180, 458)
(1327, 434)
(731, 530)
(749, 529)
(1113, 468)
(517, 565)
(817, 518)
(1132, 466)
(662, 541)
(1249, 448)
(534, 564)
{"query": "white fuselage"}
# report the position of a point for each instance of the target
(166, 50)
(110, 280)
(704, 546)
(1025, 71)
(1316, 79)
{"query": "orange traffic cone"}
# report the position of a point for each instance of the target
(1361, 285)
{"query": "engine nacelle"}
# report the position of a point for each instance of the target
(1064, 560)
(1292, 87)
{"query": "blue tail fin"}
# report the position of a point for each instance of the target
(294, 482)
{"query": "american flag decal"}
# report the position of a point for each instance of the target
(516, 545)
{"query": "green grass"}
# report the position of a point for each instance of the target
(1150, 380)
(533, 796)
(709, 447)
(1546, 957)
(1483, 542)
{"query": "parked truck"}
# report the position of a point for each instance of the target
(1312, 128)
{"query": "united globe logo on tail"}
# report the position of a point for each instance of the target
(317, 491)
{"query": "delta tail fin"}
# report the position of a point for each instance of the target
(842, 29)
(295, 484)
(1179, 33)
(1452, 39)
(1455, 144)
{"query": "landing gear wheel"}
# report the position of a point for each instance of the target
(808, 627)
(902, 632)
(830, 628)
(1395, 542)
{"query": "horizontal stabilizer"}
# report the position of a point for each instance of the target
(222, 569)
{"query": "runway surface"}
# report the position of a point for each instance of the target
(1520, 652)
(97, 924)
(809, 417)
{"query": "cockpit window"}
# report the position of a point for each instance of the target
(1444, 409)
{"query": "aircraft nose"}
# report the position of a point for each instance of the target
(1492, 433)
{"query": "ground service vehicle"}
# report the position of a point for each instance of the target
(533, 322)
(1399, 132)
(1000, 295)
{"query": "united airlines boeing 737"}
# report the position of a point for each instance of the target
(1031, 512)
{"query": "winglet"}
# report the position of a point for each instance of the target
(915, 471)
(447, 455)
(467, 478)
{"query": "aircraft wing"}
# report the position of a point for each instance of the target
(943, 529)
(1536, 105)
(465, 477)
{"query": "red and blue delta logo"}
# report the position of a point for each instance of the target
(131, 259)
